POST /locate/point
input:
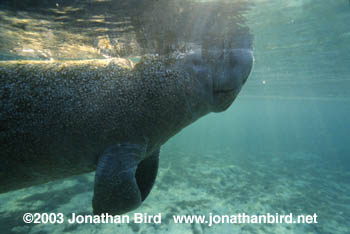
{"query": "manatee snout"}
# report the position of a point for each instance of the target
(232, 70)
(230, 74)
(221, 73)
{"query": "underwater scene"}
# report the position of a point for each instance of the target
(175, 116)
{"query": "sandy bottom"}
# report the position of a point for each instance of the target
(189, 183)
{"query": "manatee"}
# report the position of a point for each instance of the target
(64, 118)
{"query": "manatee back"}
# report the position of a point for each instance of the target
(58, 117)
(49, 117)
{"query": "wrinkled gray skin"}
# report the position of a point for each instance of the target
(110, 120)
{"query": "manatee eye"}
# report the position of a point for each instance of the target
(196, 61)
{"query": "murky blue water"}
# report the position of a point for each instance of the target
(282, 147)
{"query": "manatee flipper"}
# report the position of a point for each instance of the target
(146, 173)
(115, 189)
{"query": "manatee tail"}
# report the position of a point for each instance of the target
(122, 180)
